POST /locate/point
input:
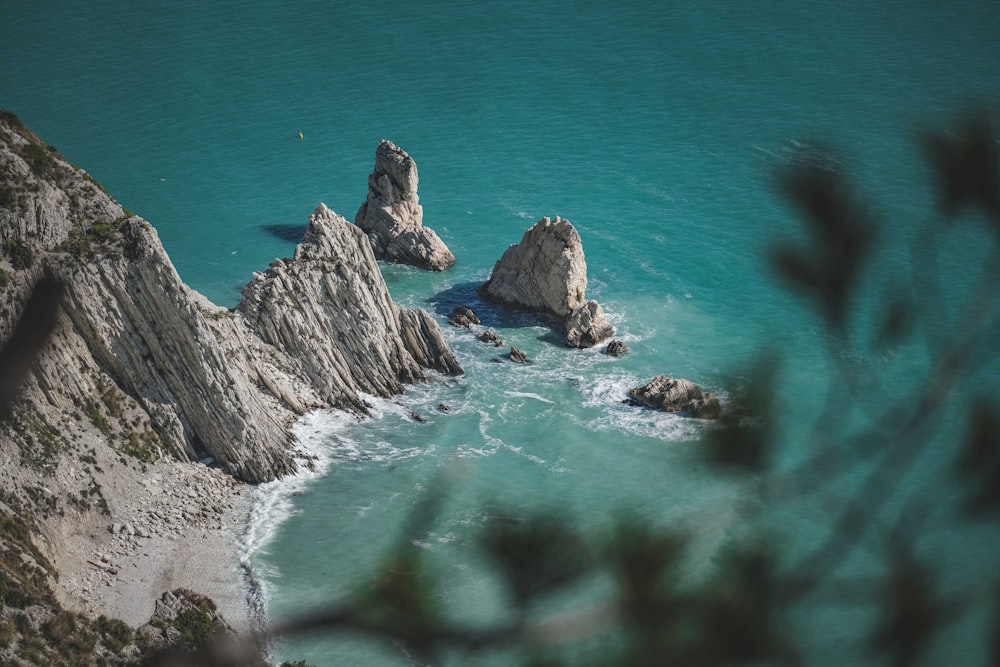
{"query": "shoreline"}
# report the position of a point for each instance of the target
(186, 529)
(173, 525)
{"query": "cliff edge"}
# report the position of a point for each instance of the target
(198, 380)
(141, 374)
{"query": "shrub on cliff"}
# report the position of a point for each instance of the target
(39, 159)
(19, 253)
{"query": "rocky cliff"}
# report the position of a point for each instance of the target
(392, 216)
(333, 285)
(547, 272)
(140, 370)
(197, 380)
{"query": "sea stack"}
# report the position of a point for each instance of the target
(547, 272)
(392, 216)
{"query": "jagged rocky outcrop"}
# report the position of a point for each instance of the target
(392, 216)
(133, 339)
(547, 272)
(676, 395)
(464, 317)
(517, 356)
(329, 309)
(140, 369)
(155, 365)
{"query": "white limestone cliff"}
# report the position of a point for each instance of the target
(333, 285)
(156, 366)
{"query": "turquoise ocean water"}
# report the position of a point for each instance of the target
(653, 127)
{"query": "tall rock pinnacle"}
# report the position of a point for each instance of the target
(392, 216)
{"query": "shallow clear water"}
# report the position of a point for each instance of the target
(654, 129)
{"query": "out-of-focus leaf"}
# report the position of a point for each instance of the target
(979, 462)
(912, 613)
(842, 231)
(536, 555)
(994, 647)
(742, 441)
(644, 560)
(967, 163)
(741, 605)
(37, 321)
(896, 316)
(400, 603)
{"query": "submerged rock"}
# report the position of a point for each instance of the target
(392, 216)
(547, 272)
(676, 395)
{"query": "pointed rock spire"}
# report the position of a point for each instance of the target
(392, 216)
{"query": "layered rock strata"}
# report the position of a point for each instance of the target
(153, 364)
(140, 369)
(392, 216)
(328, 308)
(676, 395)
(547, 272)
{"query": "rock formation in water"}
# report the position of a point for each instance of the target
(547, 272)
(517, 356)
(392, 216)
(616, 348)
(140, 370)
(676, 395)
(329, 309)
(464, 317)
(490, 336)
(156, 365)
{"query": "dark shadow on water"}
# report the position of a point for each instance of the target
(492, 315)
(293, 233)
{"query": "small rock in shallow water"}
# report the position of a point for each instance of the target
(463, 316)
(517, 355)
(490, 336)
(676, 395)
(616, 348)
